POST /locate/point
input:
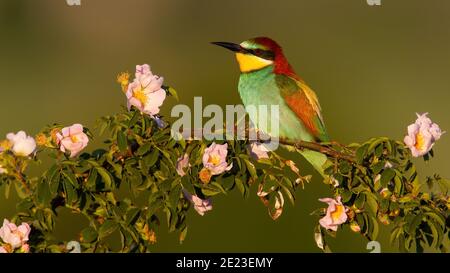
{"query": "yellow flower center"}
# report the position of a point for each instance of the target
(139, 94)
(335, 215)
(74, 139)
(214, 159)
(420, 142)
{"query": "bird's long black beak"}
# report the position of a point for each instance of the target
(230, 46)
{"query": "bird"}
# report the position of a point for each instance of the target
(267, 78)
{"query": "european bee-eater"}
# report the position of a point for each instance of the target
(267, 78)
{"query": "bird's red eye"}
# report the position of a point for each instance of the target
(258, 52)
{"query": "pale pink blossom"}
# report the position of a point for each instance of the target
(335, 215)
(15, 236)
(258, 150)
(215, 158)
(422, 135)
(200, 205)
(145, 92)
(72, 139)
(22, 145)
(182, 164)
(3, 250)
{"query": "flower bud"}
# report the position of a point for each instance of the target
(41, 139)
(205, 175)
(355, 227)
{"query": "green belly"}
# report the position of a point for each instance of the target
(259, 88)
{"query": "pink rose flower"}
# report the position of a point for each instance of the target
(336, 213)
(13, 235)
(145, 92)
(215, 158)
(422, 135)
(200, 205)
(3, 250)
(72, 139)
(182, 164)
(258, 150)
(22, 145)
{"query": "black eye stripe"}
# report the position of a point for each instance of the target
(266, 54)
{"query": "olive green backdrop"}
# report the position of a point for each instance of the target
(372, 68)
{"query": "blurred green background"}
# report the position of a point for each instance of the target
(372, 68)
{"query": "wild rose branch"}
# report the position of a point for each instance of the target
(372, 183)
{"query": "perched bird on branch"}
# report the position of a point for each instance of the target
(267, 78)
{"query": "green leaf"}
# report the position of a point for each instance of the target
(21, 190)
(251, 169)
(361, 153)
(240, 185)
(386, 176)
(71, 194)
(54, 183)
(108, 227)
(89, 235)
(210, 191)
(174, 196)
(186, 182)
(122, 141)
(106, 176)
(172, 92)
(183, 234)
(91, 181)
(375, 230)
(415, 223)
(346, 196)
(437, 218)
(132, 216)
(360, 200)
(151, 158)
(377, 167)
(70, 177)
(7, 189)
(144, 149)
(134, 119)
(371, 203)
(43, 192)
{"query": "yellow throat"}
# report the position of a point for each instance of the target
(248, 62)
